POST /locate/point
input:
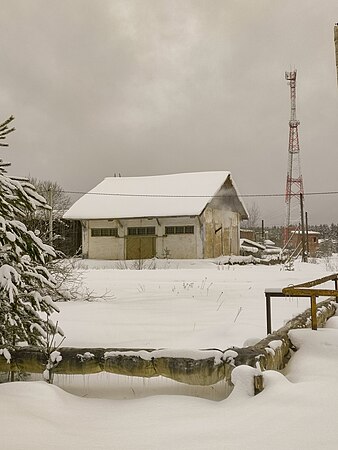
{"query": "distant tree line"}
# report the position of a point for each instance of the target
(328, 235)
(63, 235)
(327, 231)
(328, 238)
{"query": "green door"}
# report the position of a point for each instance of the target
(140, 247)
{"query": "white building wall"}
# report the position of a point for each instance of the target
(105, 247)
(179, 246)
(176, 246)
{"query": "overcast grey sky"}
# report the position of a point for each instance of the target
(145, 87)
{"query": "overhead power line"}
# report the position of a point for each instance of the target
(308, 194)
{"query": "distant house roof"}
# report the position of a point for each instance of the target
(247, 243)
(183, 194)
(269, 243)
(309, 232)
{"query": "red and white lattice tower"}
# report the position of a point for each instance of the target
(294, 180)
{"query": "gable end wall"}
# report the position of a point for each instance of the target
(221, 224)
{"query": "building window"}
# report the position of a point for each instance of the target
(188, 229)
(141, 231)
(100, 232)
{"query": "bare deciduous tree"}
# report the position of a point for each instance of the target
(254, 216)
(44, 220)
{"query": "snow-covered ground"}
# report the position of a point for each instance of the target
(189, 304)
(184, 305)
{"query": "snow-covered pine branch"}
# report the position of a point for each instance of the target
(25, 283)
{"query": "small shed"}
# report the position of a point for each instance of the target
(185, 215)
(247, 234)
(311, 236)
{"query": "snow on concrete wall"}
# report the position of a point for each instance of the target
(195, 367)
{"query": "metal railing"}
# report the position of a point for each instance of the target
(302, 290)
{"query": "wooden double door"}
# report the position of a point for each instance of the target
(140, 247)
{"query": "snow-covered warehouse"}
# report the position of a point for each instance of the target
(185, 215)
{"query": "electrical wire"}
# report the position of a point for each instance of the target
(198, 196)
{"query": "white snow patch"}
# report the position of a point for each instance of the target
(243, 379)
(251, 341)
(229, 356)
(87, 356)
(55, 356)
(5, 352)
(10, 236)
(170, 353)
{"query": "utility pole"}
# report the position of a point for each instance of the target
(307, 234)
(304, 253)
(50, 227)
(336, 45)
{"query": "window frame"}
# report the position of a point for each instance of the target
(104, 232)
(141, 231)
(179, 229)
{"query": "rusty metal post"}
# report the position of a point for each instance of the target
(304, 253)
(258, 384)
(313, 312)
(268, 312)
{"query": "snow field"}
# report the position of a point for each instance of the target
(171, 308)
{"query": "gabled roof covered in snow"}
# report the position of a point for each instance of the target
(251, 244)
(182, 194)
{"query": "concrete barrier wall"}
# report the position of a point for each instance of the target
(199, 367)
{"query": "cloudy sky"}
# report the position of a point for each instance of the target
(145, 87)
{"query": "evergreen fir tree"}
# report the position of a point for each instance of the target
(25, 306)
